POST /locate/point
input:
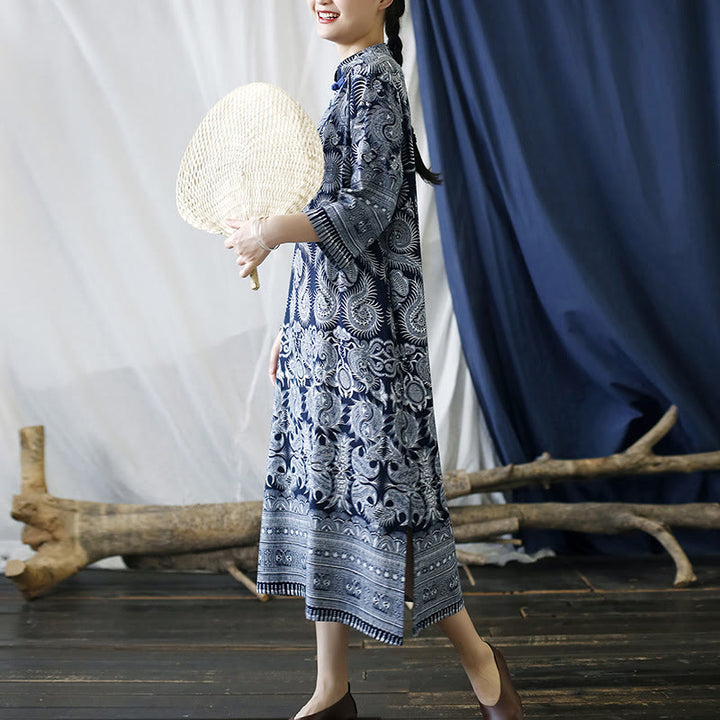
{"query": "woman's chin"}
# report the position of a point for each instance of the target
(325, 32)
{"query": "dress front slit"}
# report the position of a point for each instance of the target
(409, 567)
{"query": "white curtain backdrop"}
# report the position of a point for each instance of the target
(125, 332)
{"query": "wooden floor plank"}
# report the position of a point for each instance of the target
(585, 638)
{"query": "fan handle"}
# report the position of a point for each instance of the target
(254, 280)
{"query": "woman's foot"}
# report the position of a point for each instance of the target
(487, 670)
(509, 705)
(475, 654)
(484, 675)
(321, 699)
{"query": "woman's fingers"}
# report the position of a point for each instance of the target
(246, 270)
(232, 241)
(251, 260)
(249, 253)
(274, 355)
(247, 265)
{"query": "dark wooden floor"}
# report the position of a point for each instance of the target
(585, 638)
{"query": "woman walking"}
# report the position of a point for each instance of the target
(355, 517)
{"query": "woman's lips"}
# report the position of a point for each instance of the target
(327, 17)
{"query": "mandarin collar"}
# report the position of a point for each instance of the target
(345, 65)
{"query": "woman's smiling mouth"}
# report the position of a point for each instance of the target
(326, 17)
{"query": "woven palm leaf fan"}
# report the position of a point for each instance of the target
(256, 153)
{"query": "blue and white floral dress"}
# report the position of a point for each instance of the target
(353, 471)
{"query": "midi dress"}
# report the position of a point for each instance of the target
(353, 475)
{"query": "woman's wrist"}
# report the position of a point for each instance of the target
(257, 233)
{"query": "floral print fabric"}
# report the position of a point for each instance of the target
(353, 461)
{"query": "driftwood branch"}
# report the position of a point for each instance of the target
(70, 534)
(606, 518)
(638, 459)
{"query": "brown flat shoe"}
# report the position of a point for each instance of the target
(509, 705)
(344, 709)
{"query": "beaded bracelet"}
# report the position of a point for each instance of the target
(257, 234)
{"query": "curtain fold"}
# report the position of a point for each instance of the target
(579, 143)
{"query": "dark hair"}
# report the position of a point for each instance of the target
(393, 13)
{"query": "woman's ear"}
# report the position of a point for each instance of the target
(384, 4)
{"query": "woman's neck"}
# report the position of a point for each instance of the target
(372, 38)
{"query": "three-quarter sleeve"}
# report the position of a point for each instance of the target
(348, 224)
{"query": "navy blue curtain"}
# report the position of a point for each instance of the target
(580, 218)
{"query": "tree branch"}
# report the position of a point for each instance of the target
(638, 459)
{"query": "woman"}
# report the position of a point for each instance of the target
(355, 517)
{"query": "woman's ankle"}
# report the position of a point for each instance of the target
(479, 658)
(331, 687)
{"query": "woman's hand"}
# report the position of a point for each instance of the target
(274, 354)
(249, 253)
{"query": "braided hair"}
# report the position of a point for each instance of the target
(393, 13)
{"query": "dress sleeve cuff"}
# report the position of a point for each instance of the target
(330, 243)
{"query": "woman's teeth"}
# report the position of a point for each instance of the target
(327, 16)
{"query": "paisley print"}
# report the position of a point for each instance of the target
(353, 463)
(362, 310)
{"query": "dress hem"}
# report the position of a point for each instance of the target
(329, 614)
(439, 615)
(347, 618)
